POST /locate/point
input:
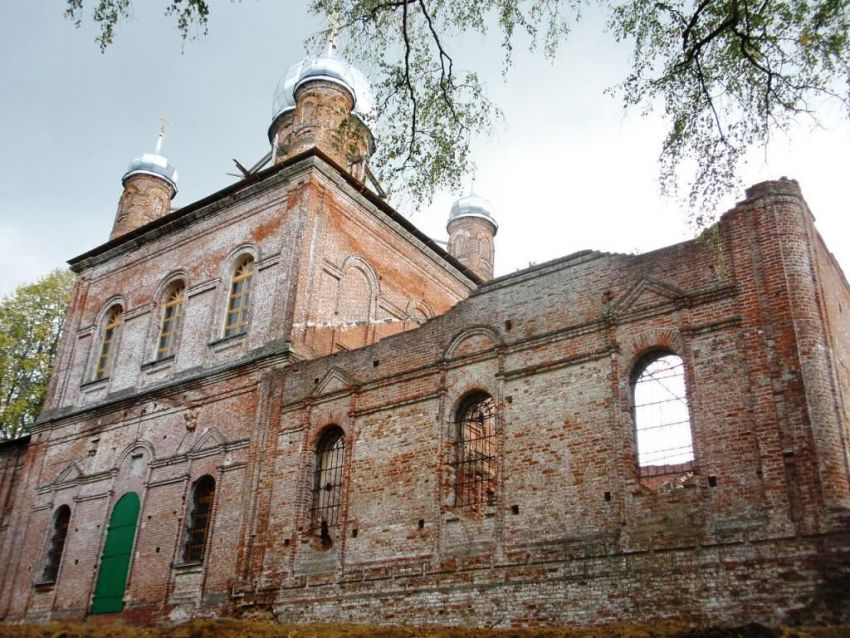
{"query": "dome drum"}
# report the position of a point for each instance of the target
(473, 206)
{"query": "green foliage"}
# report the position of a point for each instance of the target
(31, 320)
(429, 109)
(728, 74)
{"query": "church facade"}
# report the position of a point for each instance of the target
(285, 400)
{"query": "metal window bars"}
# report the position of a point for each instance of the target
(327, 482)
(661, 413)
(203, 494)
(475, 452)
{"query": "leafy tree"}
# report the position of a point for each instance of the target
(728, 74)
(31, 320)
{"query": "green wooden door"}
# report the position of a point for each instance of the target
(115, 560)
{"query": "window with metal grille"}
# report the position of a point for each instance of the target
(236, 320)
(660, 410)
(106, 358)
(327, 482)
(57, 544)
(172, 317)
(475, 451)
(198, 521)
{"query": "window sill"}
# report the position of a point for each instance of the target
(225, 343)
(158, 364)
(664, 470)
(195, 566)
(96, 384)
(44, 585)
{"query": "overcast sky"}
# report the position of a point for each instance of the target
(567, 169)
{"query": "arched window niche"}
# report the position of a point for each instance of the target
(327, 484)
(474, 456)
(56, 546)
(239, 298)
(111, 326)
(661, 413)
(172, 319)
(198, 520)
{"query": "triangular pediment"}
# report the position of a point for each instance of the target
(645, 293)
(336, 380)
(210, 439)
(70, 474)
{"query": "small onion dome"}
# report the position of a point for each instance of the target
(473, 206)
(330, 68)
(153, 164)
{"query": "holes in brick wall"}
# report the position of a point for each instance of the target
(509, 325)
(149, 517)
(375, 363)
(788, 455)
(509, 398)
(286, 542)
(608, 496)
(157, 550)
(354, 533)
(316, 380)
(514, 509)
(76, 561)
(421, 523)
(712, 481)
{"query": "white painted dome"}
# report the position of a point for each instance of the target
(473, 206)
(153, 164)
(330, 68)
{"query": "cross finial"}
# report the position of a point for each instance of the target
(163, 124)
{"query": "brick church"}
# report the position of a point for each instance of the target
(286, 400)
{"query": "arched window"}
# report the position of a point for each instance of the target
(198, 520)
(475, 451)
(660, 411)
(327, 482)
(57, 544)
(105, 360)
(172, 318)
(236, 320)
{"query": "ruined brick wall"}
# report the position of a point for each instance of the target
(577, 533)
(754, 528)
(833, 295)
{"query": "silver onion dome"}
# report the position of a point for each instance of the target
(473, 206)
(330, 68)
(153, 164)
